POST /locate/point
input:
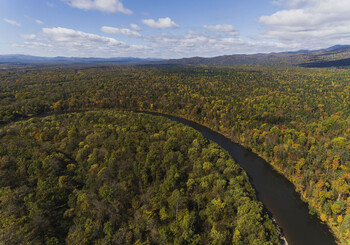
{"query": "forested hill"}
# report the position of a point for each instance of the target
(336, 56)
(123, 178)
(28, 59)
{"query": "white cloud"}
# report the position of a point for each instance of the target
(39, 22)
(70, 37)
(309, 23)
(124, 31)
(221, 28)
(109, 6)
(12, 22)
(135, 27)
(161, 23)
(28, 36)
(194, 44)
(69, 42)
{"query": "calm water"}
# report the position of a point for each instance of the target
(274, 191)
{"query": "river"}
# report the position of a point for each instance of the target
(277, 194)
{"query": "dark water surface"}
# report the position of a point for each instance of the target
(273, 190)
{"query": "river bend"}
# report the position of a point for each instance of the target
(275, 192)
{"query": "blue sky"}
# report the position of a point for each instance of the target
(170, 29)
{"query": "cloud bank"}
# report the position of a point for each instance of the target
(71, 42)
(309, 23)
(109, 6)
(124, 31)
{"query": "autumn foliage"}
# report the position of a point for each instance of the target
(297, 119)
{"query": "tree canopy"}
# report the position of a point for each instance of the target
(112, 177)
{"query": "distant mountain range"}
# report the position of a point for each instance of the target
(28, 59)
(335, 56)
(338, 55)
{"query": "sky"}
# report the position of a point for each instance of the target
(170, 28)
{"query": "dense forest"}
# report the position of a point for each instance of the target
(123, 178)
(297, 119)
